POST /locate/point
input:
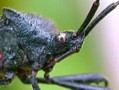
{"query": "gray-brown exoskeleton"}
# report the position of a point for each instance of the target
(30, 43)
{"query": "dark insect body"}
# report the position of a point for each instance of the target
(30, 43)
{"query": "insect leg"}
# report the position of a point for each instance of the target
(77, 86)
(89, 16)
(85, 78)
(34, 81)
(82, 81)
(101, 16)
(77, 82)
(24, 77)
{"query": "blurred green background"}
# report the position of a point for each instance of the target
(67, 14)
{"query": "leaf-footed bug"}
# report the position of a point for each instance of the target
(30, 43)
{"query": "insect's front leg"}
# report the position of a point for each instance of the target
(77, 86)
(24, 77)
(77, 82)
(34, 81)
(85, 78)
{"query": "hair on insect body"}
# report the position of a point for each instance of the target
(30, 43)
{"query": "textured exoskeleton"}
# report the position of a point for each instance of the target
(29, 43)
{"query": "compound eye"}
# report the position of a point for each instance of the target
(74, 35)
(62, 38)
